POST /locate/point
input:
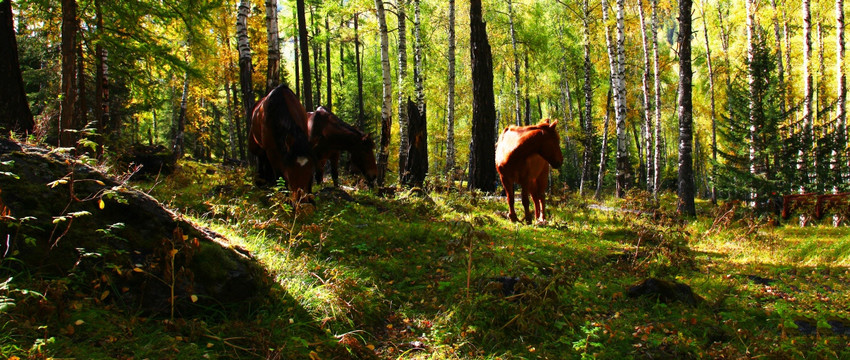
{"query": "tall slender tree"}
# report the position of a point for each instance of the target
(329, 82)
(304, 46)
(517, 106)
(386, 106)
(101, 99)
(647, 101)
(360, 119)
(482, 157)
(603, 157)
(623, 166)
(401, 6)
(657, 139)
(588, 97)
(711, 98)
(245, 67)
(13, 99)
(69, 91)
(806, 141)
(450, 102)
(685, 106)
(841, 93)
(273, 73)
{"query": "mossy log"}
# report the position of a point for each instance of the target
(63, 218)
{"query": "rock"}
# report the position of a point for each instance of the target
(66, 218)
(666, 291)
(155, 159)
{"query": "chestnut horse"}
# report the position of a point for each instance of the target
(523, 155)
(330, 136)
(278, 137)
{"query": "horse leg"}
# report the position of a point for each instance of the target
(320, 172)
(335, 168)
(525, 193)
(509, 194)
(540, 196)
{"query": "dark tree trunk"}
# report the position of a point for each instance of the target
(305, 56)
(101, 108)
(13, 99)
(69, 93)
(686, 164)
(317, 54)
(482, 161)
(297, 59)
(416, 166)
(244, 63)
(81, 109)
(359, 72)
(328, 102)
(178, 146)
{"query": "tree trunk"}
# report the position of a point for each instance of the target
(418, 85)
(359, 72)
(659, 146)
(647, 102)
(386, 105)
(623, 166)
(178, 146)
(273, 73)
(450, 102)
(780, 69)
(242, 135)
(686, 164)
(417, 152)
(297, 59)
(588, 98)
(600, 176)
(69, 93)
(841, 93)
(317, 69)
(245, 68)
(328, 102)
(711, 97)
(806, 141)
(305, 56)
(13, 98)
(517, 106)
(81, 108)
(101, 108)
(482, 162)
(403, 117)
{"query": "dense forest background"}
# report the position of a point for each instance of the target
(768, 81)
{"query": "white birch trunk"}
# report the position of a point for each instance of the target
(803, 156)
(450, 102)
(273, 74)
(402, 84)
(841, 93)
(386, 105)
(647, 102)
(659, 148)
(623, 166)
(517, 107)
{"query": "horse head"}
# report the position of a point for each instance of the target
(363, 156)
(551, 146)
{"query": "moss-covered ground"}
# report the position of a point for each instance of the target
(444, 275)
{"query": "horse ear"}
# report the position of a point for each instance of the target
(553, 124)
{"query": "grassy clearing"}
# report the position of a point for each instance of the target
(444, 275)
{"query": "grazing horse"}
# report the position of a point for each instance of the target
(278, 137)
(523, 155)
(330, 136)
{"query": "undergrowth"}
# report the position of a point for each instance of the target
(440, 273)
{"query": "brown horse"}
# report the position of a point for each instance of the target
(330, 136)
(523, 155)
(278, 137)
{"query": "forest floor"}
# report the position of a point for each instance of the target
(442, 274)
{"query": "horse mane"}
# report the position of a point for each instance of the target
(279, 118)
(347, 127)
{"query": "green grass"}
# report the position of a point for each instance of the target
(412, 277)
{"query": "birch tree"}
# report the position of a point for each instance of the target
(273, 73)
(806, 141)
(588, 97)
(402, 80)
(623, 166)
(711, 99)
(647, 102)
(450, 102)
(659, 149)
(685, 107)
(245, 68)
(841, 93)
(386, 105)
(517, 107)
